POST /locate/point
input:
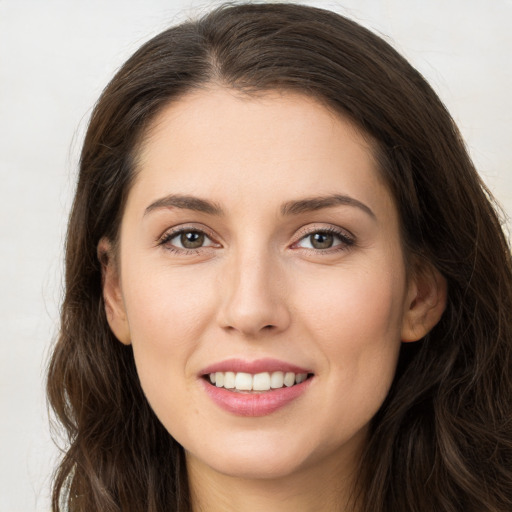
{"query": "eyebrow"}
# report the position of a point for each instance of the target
(319, 203)
(289, 208)
(186, 203)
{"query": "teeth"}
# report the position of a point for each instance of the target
(277, 380)
(261, 382)
(289, 379)
(243, 381)
(229, 380)
(264, 381)
(300, 377)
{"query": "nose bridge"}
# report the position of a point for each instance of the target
(253, 292)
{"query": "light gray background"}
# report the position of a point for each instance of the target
(55, 58)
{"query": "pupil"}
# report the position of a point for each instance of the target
(322, 240)
(192, 239)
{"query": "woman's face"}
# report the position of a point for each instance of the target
(259, 238)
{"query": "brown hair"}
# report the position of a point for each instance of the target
(442, 441)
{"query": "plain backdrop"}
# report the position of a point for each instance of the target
(55, 58)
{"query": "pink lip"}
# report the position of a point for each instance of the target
(257, 366)
(252, 404)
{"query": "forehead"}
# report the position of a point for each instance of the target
(223, 143)
(207, 114)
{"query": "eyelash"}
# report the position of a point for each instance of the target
(170, 235)
(346, 240)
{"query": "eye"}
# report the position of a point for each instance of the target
(187, 239)
(325, 239)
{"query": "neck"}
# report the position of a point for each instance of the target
(327, 487)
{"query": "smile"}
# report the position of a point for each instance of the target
(264, 381)
(255, 388)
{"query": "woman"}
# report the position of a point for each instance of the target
(286, 285)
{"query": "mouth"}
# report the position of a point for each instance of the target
(263, 382)
(255, 388)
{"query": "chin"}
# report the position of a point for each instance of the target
(264, 455)
(256, 466)
(254, 455)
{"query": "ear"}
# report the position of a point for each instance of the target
(112, 295)
(425, 304)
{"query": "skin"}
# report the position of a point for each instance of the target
(258, 287)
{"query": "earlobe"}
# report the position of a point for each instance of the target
(425, 304)
(112, 295)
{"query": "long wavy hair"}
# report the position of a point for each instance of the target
(442, 441)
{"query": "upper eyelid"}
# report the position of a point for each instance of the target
(164, 240)
(310, 229)
(176, 230)
(300, 234)
(347, 239)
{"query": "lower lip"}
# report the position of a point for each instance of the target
(255, 404)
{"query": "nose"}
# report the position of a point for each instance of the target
(253, 292)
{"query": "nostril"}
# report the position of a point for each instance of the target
(266, 328)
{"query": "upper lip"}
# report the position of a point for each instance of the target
(257, 366)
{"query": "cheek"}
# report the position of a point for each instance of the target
(356, 319)
(354, 302)
(167, 314)
(167, 308)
